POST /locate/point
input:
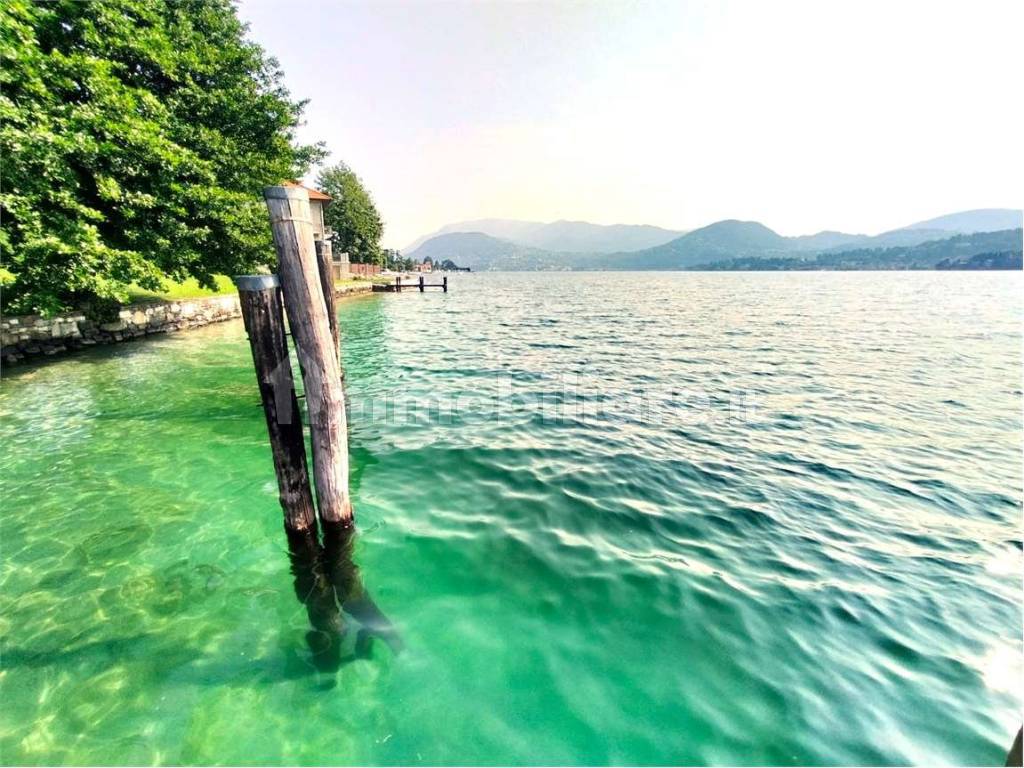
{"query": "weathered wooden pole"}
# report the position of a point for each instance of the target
(260, 300)
(292, 227)
(445, 284)
(327, 283)
(421, 283)
(398, 283)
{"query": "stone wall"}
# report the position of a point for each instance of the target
(30, 335)
(364, 270)
(27, 336)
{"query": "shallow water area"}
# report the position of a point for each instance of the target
(638, 518)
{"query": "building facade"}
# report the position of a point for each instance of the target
(318, 201)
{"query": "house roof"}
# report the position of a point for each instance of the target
(314, 194)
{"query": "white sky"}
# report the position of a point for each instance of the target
(858, 116)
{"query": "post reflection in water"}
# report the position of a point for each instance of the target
(327, 581)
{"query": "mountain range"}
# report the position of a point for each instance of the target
(578, 245)
(561, 236)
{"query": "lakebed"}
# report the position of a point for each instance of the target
(627, 518)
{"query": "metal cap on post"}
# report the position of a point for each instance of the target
(298, 269)
(256, 282)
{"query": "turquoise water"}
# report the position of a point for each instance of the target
(673, 518)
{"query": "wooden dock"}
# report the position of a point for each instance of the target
(398, 286)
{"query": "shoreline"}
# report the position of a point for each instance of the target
(25, 338)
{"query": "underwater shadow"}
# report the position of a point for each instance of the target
(328, 583)
(109, 650)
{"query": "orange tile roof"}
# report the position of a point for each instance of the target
(314, 194)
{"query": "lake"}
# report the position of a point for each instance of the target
(617, 518)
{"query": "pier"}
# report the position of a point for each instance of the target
(422, 285)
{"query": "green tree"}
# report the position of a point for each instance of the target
(353, 216)
(136, 137)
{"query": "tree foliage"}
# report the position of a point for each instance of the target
(136, 138)
(352, 214)
(393, 259)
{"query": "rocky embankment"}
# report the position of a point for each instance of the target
(28, 336)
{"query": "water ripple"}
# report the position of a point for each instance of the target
(638, 519)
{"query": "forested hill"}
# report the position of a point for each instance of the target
(734, 244)
(721, 240)
(559, 236)
(980, 250)
(483, 252)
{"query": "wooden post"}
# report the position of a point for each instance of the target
(421, 283)
(292, 226)
(398, 283)
(445, 284)
(327, 283)
(260, 299)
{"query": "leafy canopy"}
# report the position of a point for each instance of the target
(393, 259)
(136, 138)
(353, 216)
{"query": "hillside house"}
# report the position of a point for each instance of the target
(318, 201)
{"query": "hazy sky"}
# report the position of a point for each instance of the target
(857, 116)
